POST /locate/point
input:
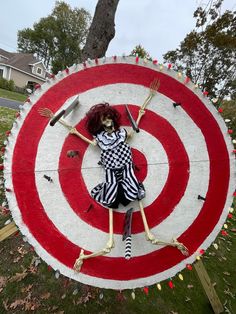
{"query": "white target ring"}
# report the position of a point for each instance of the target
(178, 160)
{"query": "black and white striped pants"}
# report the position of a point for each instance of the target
(120, 186)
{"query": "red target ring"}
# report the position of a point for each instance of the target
(104, 271)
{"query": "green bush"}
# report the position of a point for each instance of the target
(5, 84)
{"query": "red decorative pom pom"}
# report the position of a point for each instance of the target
(3, 149)
(84, 64)
(230, 215)
(96, 61)
(52, 76)
(136, 59)
(17, 233)
(37, 86)
(230, 131)
(189, 267)
(8, 133)
(234, 194)
(5, 211)
(205, 93)
(169, 66)
(224, 233)
(49, 268)
(67, 70)
(187, 79)
(171, 285)
(201, 251)
(234, 151)
(220, 110)
(145, 289)
(8, 190)
(154, 61)
(1, 167)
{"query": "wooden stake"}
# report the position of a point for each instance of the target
(8, 230)
(208, 287)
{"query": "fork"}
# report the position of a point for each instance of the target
(154, 86)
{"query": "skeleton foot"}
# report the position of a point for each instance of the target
(150, 237)
(79, 261)
(110, 245)
(180, 247)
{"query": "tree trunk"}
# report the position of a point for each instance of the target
(102, 30)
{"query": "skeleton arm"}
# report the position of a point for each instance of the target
(45, 112)
(84, 138)
(154, 86)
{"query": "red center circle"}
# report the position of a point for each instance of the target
(140, 164)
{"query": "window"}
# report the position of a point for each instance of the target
(1, 72)
(39, 71)
(31, 85)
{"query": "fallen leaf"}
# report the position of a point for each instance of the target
(19, 276)
(189, 286)
(32, 269)
(45, 296)
(227, 283)
(27, 288)
(228, 292)
(17, 303)
(5, 304)
(31, 305)
(3, 281)
(16, 260)
(75, 292)
(21, 250)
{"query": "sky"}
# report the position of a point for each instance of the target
(158, 25)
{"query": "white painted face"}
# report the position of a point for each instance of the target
(107, 122)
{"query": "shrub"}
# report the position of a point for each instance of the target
(5, 84)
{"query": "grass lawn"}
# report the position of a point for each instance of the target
(12, 95)
(27, 284)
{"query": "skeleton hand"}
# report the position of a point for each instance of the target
(181, 247)
(45, 112)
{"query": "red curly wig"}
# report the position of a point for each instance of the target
(95, 115)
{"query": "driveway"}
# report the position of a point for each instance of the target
(13, 104)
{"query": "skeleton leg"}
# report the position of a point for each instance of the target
(150, 237)
(106, 250)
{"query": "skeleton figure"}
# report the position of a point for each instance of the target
(121, 185)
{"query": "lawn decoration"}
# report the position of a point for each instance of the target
(182, 154)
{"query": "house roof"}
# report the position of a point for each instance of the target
(21, 61)
(5, 53)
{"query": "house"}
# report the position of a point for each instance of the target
(23, 68)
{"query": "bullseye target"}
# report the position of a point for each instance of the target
(181, 152)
